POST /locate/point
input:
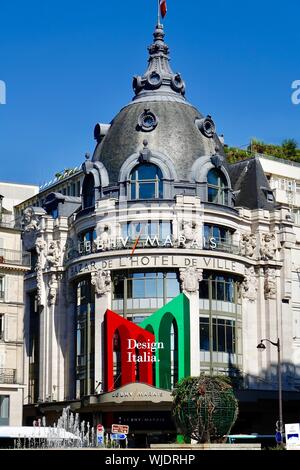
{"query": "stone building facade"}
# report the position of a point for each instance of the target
(161, 213)
(13, 264)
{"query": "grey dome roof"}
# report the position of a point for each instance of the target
(176, 134)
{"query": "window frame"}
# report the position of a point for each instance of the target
(135, 183)
(221, 188)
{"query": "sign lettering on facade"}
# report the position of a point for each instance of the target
(153, 260)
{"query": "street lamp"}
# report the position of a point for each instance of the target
(261, 347)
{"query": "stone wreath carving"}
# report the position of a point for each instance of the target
(190, 278)
(102, 281)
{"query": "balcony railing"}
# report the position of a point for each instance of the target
(222, 245)
(8, 376)
(15, 257)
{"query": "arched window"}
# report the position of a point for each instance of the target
(117, 359)
(217, 189)
(88, 191)
(174, 353)
(146, 182)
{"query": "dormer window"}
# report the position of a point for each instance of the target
(88, 192)
(217, 189)
(146, 182)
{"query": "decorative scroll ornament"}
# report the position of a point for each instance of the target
(53, 289)
(53, 255)
(248, 244)
(249, 286)
(268, 246)
(102, 281)
(270, 283)
(190, 278)
(30, 220)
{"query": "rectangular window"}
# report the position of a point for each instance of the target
(1, 287)
(221, 336)
(1, 326)
(204, 334)
(229, 336)
(203, 290)
(4, 410)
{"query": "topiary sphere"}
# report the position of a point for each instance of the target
(205, 408)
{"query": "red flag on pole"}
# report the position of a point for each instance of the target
(163, 7)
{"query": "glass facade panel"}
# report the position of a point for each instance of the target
(223, 335)
(160, 229)
(85, 337)
(145, 290)
(4, 410)
(204, 334)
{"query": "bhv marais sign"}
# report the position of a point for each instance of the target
(120, 243)
(136, 392)
(153, 261)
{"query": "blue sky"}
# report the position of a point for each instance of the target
(68, 64)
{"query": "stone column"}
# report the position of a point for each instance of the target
(69, 334)
(250, 304)
(102, 281)
(190, 278)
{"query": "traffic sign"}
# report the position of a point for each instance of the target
(119, 428)
(278, 437)
(100, 438)
(118, 436)
(100, 427)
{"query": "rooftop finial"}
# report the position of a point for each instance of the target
(159, 77)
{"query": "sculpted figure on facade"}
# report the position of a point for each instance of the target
(101, 279)
(40, 246)
(30, 220)
(268, 246)
(248, 244)
(270, 283)
(53, 255)
(189, 235)
(190, 278)
(52, 290)
(249, 286)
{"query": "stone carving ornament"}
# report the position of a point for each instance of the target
(53, 255)
(30, 220)
(190, 278)
(268, 246)
(190, 233)
(249, 286)
(40, 246)
(53, 288)
(248, 244)
(102, 281)
(270, 283)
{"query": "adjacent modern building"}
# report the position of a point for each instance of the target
(13, 264)
(166, 241)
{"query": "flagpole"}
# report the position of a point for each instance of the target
(158, 12)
